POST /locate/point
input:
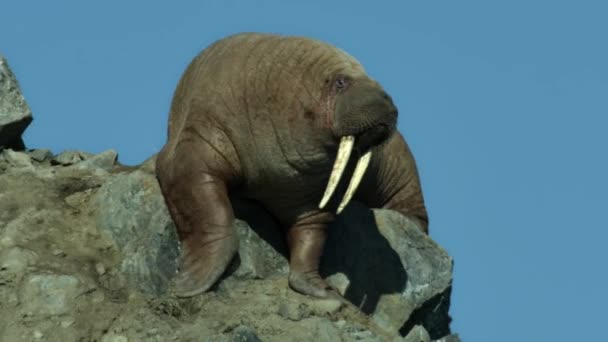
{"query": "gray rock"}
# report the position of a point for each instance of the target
(323, 330)
(18, 160)
(112, 337)
(363, 247)
(104, 161)
(291, 310)
(49, 294)
(296, 311)
(256, 258)
(355, 332)
(322, 307)
(131, 210)
(449, 338)
(40, 154)
(66, 158)
(15, 114)
(148, 165)
(367, 245)
(243, 333)
(15, 261)
(418, 334)
(339, 281)
(262, 250)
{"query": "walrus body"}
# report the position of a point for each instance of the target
(265, 117)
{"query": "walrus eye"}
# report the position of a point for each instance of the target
(341, 83)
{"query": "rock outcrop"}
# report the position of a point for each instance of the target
(88, 250)
(15, 114)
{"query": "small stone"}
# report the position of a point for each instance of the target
(58, 252)
(149, 165)
(40, 154)
(104, 160)
(111, 337)
(38, 335)
(76, 199)
(100, 268)
(12, 300)
(67, 323)
(7, 241)
(324, 330)
(340, 324)
(449, 338)
(291, 310)
(339, 281)
(18, 159)
(66, 158)
(16, 260)
(321, 307)
(50, 294)
(97, 297)
(417, 334)
(243, 333)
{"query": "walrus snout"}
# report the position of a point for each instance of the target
(373, 136)
(382, 114)
(364, 106)
(365, 117)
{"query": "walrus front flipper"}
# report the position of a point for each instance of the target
(306, 240)
(204, 218)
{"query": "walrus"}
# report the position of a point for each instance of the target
(292, 123)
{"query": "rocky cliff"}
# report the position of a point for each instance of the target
(87, 252)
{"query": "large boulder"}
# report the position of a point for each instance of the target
(378, 259)
(384, 264)
(132, 211)
(15, 114)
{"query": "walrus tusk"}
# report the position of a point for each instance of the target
(362, 165)
(346, 147)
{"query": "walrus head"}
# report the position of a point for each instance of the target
(364, 116)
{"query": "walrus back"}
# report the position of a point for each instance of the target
(242, 91)
(206, 75)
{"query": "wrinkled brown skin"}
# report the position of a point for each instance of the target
(261, 116)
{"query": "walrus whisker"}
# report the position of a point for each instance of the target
(344, 151)
(362, 165)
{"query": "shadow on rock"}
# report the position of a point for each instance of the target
(378, 259)
(356, 249)
(262, 248)
(260, 220)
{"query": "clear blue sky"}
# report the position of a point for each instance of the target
(505, 105)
